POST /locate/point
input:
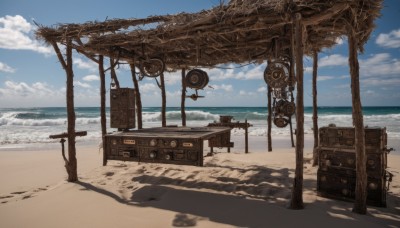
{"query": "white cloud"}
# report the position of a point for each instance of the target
(86, 64)
(324, 78)
(262, 89)
(389, 40)
(148, 88)
(173, 78)
(227, 88)
(308, 69)
(17, 34)
(173, 94)
(243, 73)
(244, 93)
(339, 41)
(81, 84)
(333, 60)
(380, 65)
(22, 89)
(90, 78)
(6, 68)
(378, 82)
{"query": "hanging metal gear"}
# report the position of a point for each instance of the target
(152, 67)
(276, 74)
(281, 122)
(196, 79)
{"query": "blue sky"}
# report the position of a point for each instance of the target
(31, 76)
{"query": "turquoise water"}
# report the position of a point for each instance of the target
(34, 125)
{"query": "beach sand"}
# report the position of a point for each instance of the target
(231, 190)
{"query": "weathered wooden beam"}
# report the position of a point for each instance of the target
(297, 189)
(137, 94)
(246, 137)
(269, 138)
(163, 102)
(315, 108)
(183, 98)
(59, 55)
(113, 74)
(326, 15)
(360, 205)
(71, 167)
(65, 135)
(291, 131)
(103, 118)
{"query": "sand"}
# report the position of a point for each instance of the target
(231, 190)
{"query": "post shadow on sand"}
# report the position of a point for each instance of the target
(245, 210)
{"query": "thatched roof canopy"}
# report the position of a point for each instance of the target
(238, 32)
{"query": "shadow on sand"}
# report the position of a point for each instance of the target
(246, 203)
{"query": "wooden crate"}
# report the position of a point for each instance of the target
(122, 108)
(344, 137)
(332, 159)
(221, 140)
(340, 185)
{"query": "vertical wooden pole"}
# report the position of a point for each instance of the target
(72, 167)
(297, 190)
(291, 130)
(71, 162)
(246, 137)
(183, 98)
(360, 206)
(315, 108)
(164, 102)
(292, 76)
(103, 105)
(113, 74)
(269, 118)
(137, 94)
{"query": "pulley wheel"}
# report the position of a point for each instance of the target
(281, 122)
(290, 108)
(196, 79)
(152, 67)
(276, 74)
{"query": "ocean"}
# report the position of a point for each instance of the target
(22, 128)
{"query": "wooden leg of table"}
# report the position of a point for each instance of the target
(246, 138)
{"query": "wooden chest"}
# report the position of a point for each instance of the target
(344, 137)
(332, 159)
(122, 108)
(341, 185)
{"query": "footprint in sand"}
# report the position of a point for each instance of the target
(18, 193)
(5, 197)
(109, 174)
(27, 197)
(40, 189)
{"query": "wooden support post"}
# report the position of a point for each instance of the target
(138, 97)
(291, 131)
(269, 119)
(113, 74)
(103, 105)
(72, 167)
(183, 98)
(360, 206)
(297, 190)
(315, 108)
(164, 102)
(246, 137)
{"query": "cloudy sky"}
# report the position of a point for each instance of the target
(31, 76)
